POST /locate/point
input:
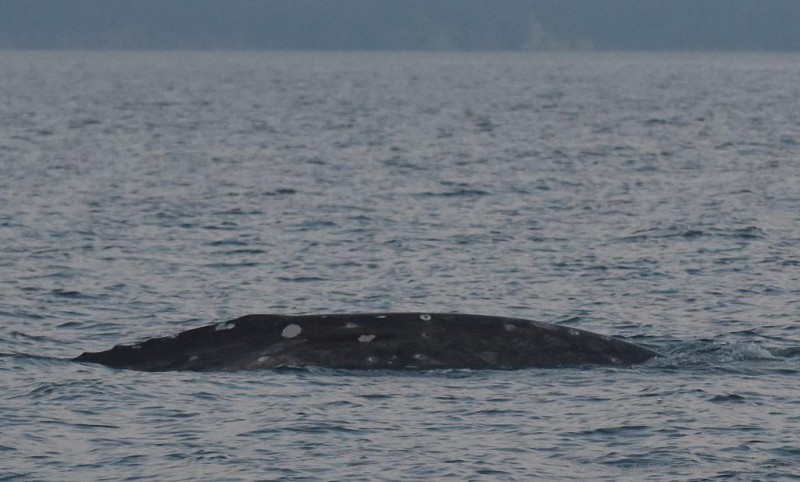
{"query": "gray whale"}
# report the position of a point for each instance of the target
(373, 341)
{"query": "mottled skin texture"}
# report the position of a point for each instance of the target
(373, 341)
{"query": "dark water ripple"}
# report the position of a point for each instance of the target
(650, 197)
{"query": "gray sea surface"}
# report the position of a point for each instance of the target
(651, 197)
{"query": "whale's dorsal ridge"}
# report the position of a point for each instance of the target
(419, 340)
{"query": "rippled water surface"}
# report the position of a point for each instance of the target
(651, 197)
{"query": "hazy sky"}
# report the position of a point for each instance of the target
(403, 24)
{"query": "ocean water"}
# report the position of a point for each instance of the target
(652, 197)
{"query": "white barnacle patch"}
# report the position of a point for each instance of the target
(291, 331)
(543, 325)
(372, 360)
(136, 347)
(262, 359)
(510, 327)
(224, 326)
(614, 360)
(366, 338)
(425, 335)
(193, 358)
(350, 325)
(573, 332)
(419, 356)
(380, 316)
(488, 356)
(425, 317)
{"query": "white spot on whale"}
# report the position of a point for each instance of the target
(510, 327)
(262, 359)
(614, 360)
(543, 325)
(425, 317)
(381, 316)
(371, 359)
(193, 357)
(224, 326)
(366, 338)
(419, 356)
(291, 331)
(488, 356)
(350, 326)
(136, 347)
(573, 332)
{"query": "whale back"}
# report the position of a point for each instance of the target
(373, 341)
